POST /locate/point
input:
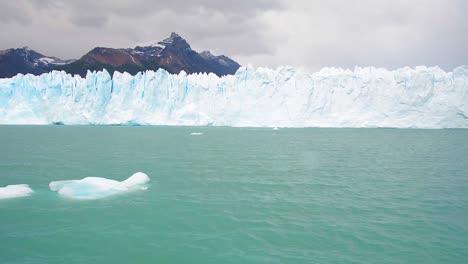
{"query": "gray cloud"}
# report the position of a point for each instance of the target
(89, 20)
(12, 12)
(303, 33)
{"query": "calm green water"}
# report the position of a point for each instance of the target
(237, 195)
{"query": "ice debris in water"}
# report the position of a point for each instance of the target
(14, 191)
(196, 134)
(96, 187)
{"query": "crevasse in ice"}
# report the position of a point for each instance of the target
(426, 97)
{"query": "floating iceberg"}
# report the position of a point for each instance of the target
(426, 97)
(14, 191)
(95, 187)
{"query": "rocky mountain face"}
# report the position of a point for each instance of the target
(173, 54)
(25, 60)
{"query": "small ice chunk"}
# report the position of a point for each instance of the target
(14, 191)
(196, 134)
(90, 188)
(138, 178)
(275, 128)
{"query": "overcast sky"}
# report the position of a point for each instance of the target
(304, 33)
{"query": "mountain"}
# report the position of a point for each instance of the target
(173, 54)
(25, 60)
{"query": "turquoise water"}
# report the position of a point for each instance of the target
(238, 195)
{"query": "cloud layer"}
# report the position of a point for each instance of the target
(302, 33)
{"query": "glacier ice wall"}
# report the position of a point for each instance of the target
(286, 97)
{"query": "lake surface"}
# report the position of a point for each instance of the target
(238, 195)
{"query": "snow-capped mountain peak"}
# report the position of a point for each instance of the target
(26, 60)
(173, 54)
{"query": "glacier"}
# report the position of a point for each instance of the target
(419, 97)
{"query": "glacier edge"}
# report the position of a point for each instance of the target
(420, 97)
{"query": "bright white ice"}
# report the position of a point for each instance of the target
(14, 191)
(286, 97)
(95, 187)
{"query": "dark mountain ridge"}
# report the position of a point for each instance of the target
(25, 60)
(173, 54)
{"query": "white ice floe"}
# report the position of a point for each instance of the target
(96, 187)
(196, 134)
(14, 191)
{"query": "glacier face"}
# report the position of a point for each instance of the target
(286, 97)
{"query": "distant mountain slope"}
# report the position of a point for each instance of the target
(173, 54)
(25, 60)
